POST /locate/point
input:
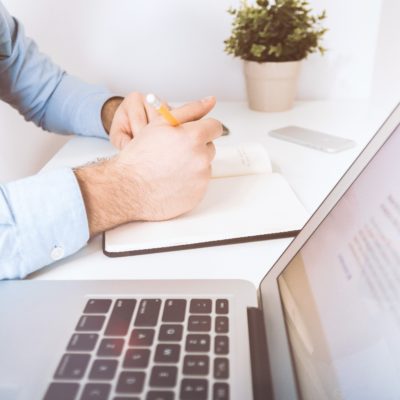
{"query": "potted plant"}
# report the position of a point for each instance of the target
(272, 37)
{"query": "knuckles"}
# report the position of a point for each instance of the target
(135, 97)
(201, 166)
(212, 150)
(205, 129)
(214, 125)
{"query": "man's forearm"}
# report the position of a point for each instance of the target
(105, 192)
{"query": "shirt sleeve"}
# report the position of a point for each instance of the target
(42, 219)
(41, 91)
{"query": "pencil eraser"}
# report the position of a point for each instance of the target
(151, 99)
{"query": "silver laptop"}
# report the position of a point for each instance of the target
(323, 324)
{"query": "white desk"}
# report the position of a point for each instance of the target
(311, 173)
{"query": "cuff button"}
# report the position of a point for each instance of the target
(57, 253)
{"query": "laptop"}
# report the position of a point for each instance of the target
(324, 322)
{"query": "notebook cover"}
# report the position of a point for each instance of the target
(256, 238)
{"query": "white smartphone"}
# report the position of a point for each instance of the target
(317, 140)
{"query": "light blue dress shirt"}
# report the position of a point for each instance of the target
(43, 217)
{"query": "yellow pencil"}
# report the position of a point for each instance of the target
(161, 109)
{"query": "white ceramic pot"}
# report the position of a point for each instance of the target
(271, 86)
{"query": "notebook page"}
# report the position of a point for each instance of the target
(242, 159)
(235, 207)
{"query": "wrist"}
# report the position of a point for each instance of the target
(108, 111)
(108, 198)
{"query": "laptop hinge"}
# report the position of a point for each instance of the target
(260, 370)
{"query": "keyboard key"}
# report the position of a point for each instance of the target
(222, 306)
(167, 353)
(61, 391)
(221, 325)
(199, 323)
(89, 323)
(130, 382)
(126, 398)
(82, 342)
(194, 389)
(141, 337)
(136, 358)
(103, 369)
(197, 343)
(221, 345)
(157, 395)
(72, 366)
(163, 376)
(221, 368)
(174, 310)
(110, 347)
(170, 333)
(195, 365)
(200, 306)
(148, 312)
(97, 306)
(96, 391)
(221, 391)
(120, 318)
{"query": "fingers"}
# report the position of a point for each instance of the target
(123, 139)
(194, 110)
(120, 140)
(210, 148)
(151, 111)
(140, 113)
(204, 131)
(136, 112)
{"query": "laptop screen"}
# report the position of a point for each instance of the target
(341, 292)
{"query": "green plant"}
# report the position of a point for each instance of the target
(283, 30)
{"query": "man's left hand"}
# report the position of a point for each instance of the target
(123, 118)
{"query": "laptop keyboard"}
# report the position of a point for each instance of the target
(148, 349)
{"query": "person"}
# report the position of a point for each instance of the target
(159, 173)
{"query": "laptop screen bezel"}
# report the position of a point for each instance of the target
(283, 376)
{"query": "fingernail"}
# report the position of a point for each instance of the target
(207, 99)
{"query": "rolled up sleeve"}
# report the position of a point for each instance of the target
(42, 219)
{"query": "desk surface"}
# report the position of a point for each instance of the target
(311, 173)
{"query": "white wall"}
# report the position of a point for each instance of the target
(386, 82)
(174, 48)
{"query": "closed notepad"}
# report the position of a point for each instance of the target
(235, 209)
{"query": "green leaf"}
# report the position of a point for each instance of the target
(257, 50)
(284, 30)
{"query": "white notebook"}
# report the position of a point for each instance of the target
(245, 201)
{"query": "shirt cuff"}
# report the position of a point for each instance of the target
(75, 107)
(49, 220)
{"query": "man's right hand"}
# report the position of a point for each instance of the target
(162, 173)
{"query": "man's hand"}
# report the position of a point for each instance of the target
(161, 174)
(108, 111)
(123, 118)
